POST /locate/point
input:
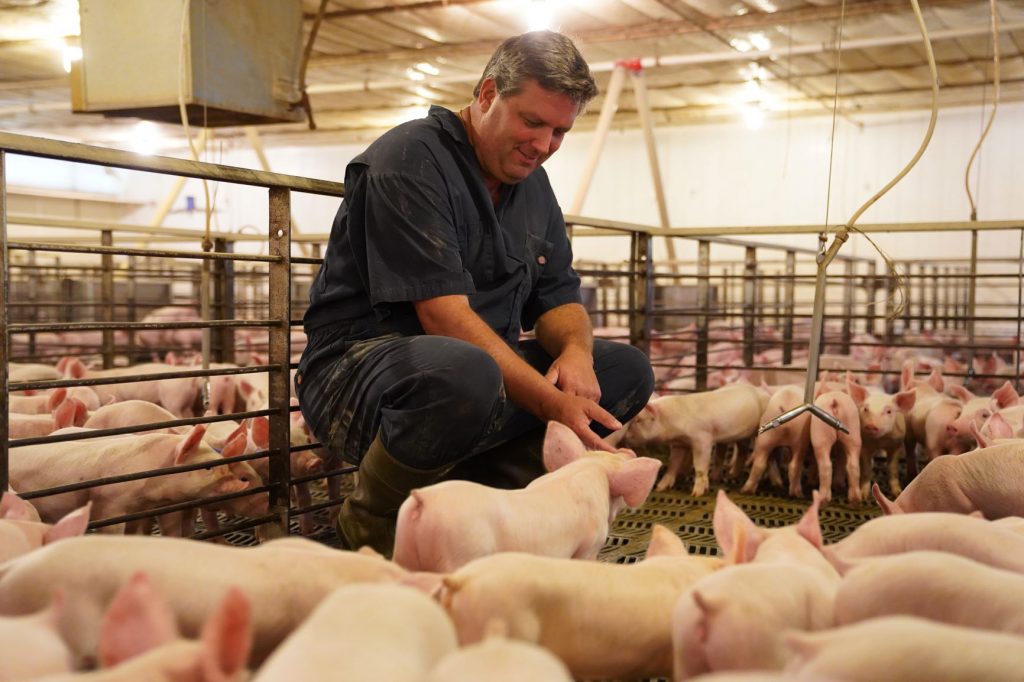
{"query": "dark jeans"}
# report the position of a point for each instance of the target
(438, 400)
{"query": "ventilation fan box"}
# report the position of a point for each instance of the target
(232, 62)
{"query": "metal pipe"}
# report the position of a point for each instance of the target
(279, 354)
(604, 124)
(704, 303)
(5, 333)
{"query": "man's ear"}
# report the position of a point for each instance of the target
(488, 93)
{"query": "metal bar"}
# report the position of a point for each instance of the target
(873, 285)
(789, 309)
(945, 283)
(107, 299)
(935, 296)
(279, 355)
(749, 304)
(197, 255)
(752, 230)
(890, 308)
(73, 151)
(641, 292)
(704, 304)
(5, 344)
(224, 301)
(847, 328)
(95, 326)
(67, 383)
(972, 294)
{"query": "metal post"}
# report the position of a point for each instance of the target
(749, 303)
(34, 282)
(107, 296)
(726, 314)
(945, 285)
(935, 297)
(890, 307)
(704, 307)
(871, 308)
(132, 312)
(922, 299)
(641, 291)
(847, 327)
(279, 357)
(790, 308)
(777, 307)
(5, 348)
(972, 293)
(224, 300)
(908, 285)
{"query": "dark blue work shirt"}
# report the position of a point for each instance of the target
(418, 222)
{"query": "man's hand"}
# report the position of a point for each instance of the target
(577, 412)
(573, 373)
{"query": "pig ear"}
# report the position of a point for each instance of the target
(227, 638)
(857, 392)
(73, 524)
(905, 400)
(633, 479)
(234, 446)
(1005, 396)
(665, 543)
(736, 534)
(65, 413)
(976, 433)
(809, 526)
(959, 392)
(887, 505)
(189, 443)
(137, 620)
(171, 358)
(14, 508)
(998, 427)
(261, 432)
(561, 446)
(907, 374)
(935, 380)
(56, 398)
(245, 388)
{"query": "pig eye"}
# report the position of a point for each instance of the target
(888, 410)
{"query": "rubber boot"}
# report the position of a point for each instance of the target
(368, 515)
(510, 466)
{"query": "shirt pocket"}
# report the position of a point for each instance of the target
(538, 251)
(477, 247)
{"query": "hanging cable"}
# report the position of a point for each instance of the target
(835, 110)
(995, 105)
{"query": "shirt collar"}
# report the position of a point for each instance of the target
(451, 122)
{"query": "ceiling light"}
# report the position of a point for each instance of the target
(760, 42)
(428, 68)
(753, 116)
(413, 74)
(69, 54)
(740, 44)
(145, 138)
(539, 15)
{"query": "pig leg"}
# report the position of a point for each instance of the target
(852, 449)
(303, 498)
(702, 448)
(894, 471)
(763, 447)
(910, 450)
(720, 453)
(170, 524)
(677, 460)
(212, 523)
(796, 468)
(823, 458)
(867, 468)
(774, 475)
(739, 455)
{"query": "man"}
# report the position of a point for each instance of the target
(448, 244)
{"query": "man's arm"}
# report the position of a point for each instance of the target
(565, 333)
(452, 316)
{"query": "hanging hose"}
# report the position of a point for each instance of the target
(995, 105)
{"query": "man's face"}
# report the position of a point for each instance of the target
(517, 133)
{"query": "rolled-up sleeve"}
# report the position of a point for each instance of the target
(558, 284)
(412, 245)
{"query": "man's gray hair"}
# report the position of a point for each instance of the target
(548, 57)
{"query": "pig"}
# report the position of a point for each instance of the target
(43, 466)
(928, 394)
(44, 403)
(31, 646)
(20, 535)
(18, 372)
(132, 413)
(1011, 419)
(498, 659)
(696, 423)
(15, 508)
(178, 396)
(988, 481)
(565, 513)
(624, 609)
(139, 640)
(934, 585)
(823, 437)
(967, 536)
(193, 576)
(70, 412)
(883, 427)
(733, 620)
(365, 632)
(794, 435)
(977, 410)
(906, 649)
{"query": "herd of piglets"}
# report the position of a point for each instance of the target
(134, 407)
(503, 585)
(927, 417)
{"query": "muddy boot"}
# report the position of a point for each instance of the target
(509, 466)
(369, 513)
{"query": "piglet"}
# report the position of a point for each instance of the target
(906, 649)
(365, 632)
(823, 437)
(693, 424)
(499, 659)
(20, 535)
(793, 435)
(883, 426)
(934, 585)
(622, 611)
(565, 513)
(31, 646)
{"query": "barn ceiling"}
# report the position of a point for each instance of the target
(375, 63)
